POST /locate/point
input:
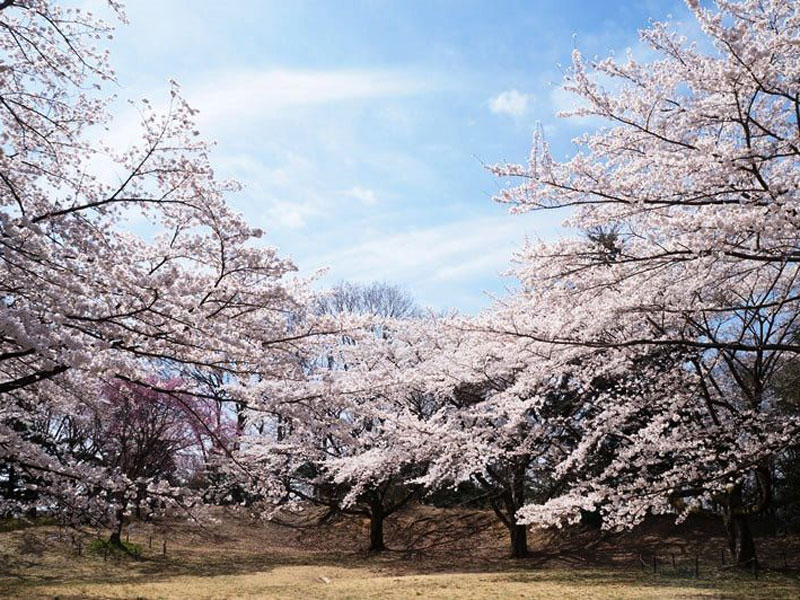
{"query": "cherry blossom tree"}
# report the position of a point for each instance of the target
(336, 440)
(686, 198)
(145, 440)
(85, 301)
(502, 418)
(468, 433)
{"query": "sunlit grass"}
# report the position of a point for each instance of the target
(320, 581)
(241, 559)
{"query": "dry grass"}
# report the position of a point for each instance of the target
(235, 558)
(329, 582)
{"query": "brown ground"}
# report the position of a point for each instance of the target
(438, 553)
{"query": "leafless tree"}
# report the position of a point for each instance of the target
(378, 298)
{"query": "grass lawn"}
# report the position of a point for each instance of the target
(328, 582)
(239, 559)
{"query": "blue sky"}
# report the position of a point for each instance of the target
(359, 128)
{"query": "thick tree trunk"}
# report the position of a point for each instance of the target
(116, 533)
(519, 541)
(736, 518)
(116, 537)
(376, 531)
(509, 499)
(519, 533)
(740, 540)
(377, 514)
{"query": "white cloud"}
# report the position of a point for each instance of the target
(282, 172)
(511, 102)
(246, 94)
(236, 100)
(276, 190)
(432, 256)
(364, 195)
(293, 215)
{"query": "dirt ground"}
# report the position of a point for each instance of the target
(435, 553)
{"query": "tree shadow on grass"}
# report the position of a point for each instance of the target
(450, 544)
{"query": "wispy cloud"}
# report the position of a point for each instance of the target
(364, 195)
(428, 258)
(511, 102)
(354, 141)
(252, 93)
(237, 99)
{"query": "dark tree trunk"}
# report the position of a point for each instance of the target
(116, 537)
(116, 533)
(519, 541)
(509, 500)
(736, 514)
(241, 419)
(740, 540)
(11, 483)
(519, 533)
(376, 533)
